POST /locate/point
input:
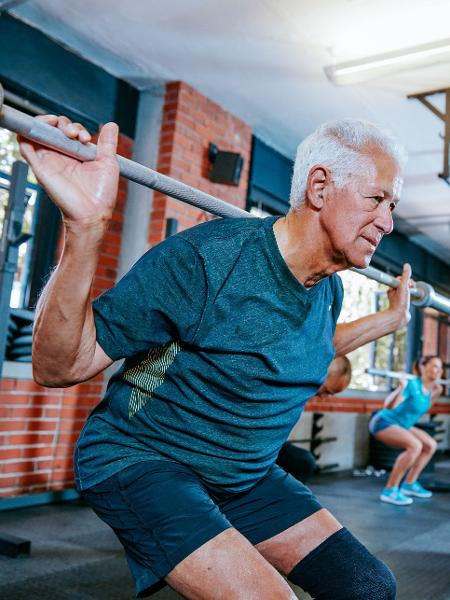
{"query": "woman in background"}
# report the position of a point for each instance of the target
(394, 426)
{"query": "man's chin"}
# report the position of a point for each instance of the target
(361, 262)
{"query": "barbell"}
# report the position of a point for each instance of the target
(399, 375)
(423, 294)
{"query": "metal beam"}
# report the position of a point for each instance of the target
(445, 117)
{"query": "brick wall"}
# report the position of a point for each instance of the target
(190, 122)
(39, 426)
(361, 404)
(430, 334)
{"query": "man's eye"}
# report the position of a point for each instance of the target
(392, 206)
(374, 201)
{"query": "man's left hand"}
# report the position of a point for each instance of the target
(399, 298)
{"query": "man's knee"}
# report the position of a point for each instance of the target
(379, 583)
(341, 568)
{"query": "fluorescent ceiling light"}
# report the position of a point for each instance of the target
(390, 62)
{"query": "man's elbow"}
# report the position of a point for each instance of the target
(53, 378)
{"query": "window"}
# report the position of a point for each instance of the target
(9, 153)
(36, 255)
(363, 296)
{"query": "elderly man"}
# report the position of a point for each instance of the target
(226, 330)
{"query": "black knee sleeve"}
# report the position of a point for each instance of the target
(341, 568)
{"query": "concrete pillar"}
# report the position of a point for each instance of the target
(139, 202)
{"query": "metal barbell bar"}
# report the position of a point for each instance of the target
(422, 295)
(399, 375)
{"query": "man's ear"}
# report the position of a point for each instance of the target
(318, 178)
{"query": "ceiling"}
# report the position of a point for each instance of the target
(264, 61)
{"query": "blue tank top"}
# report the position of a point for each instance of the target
(415, 404)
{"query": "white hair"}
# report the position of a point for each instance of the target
(341, 146)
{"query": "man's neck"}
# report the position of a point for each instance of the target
(305, 248)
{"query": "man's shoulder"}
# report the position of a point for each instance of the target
(209, 234)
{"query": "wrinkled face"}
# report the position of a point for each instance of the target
(433, 369)
(358, 215)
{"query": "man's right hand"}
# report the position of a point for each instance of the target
(85, 192)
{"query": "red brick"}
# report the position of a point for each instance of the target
(68, 438)
(45, 400)
(27, 439)
(110, 249)
(26, 385)
(32, 479)
(8, 453)
(17, 467)
(63, 477)
(13, 425)
(14, 398)
(28, 412)
(112, 237)
(35, 489)
(69, 425)
(65, 451)
(74, 412)
(8, 384)
(7, 482)
(44, 465)
(51, 413)
(38, 452)
(42, 425)
(109, 261)
(70, 400)
(103, 283)
(64, 462)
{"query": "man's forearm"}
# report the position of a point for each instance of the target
(349, 336)
(64, 333)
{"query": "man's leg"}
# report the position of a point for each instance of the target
(326, 561)
(173, 531)
(302, 540)
(285, 550)
(228, 567)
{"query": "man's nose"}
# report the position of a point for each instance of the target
(384, 220)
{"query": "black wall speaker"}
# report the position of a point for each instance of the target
(226, 166)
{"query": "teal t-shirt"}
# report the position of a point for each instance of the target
(222, 346)
(414, 405)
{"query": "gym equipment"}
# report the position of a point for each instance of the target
(400, 375)
(10, 240)
(32, 128)
(315, 441)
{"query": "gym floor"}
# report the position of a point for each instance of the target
(75, 557)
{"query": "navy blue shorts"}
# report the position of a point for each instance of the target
(162, 511)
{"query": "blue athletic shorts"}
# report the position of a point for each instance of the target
(378, 423)
(162, 511)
